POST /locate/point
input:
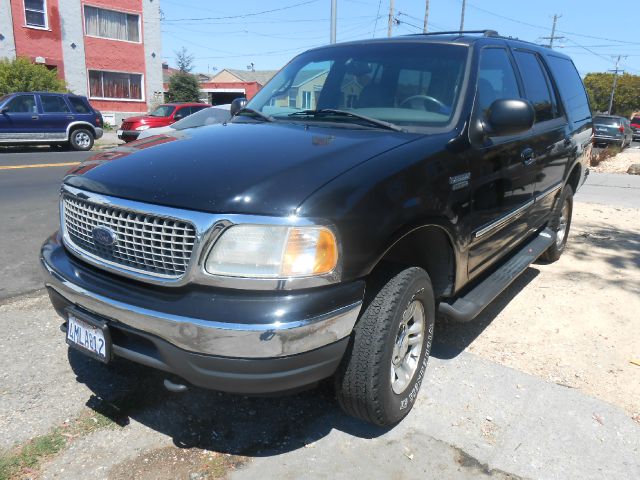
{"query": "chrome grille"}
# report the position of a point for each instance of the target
(148, 244)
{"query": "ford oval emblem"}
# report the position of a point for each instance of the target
(104, 236)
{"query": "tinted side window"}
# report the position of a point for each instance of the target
(79, 105)
(496, 78)
(571, 88)
(536, 87)
(53, 104)
(22, 104)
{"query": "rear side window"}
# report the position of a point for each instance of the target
(536, 87)
(79, 105)
(496, 78)
(53, 104)
(571, 88)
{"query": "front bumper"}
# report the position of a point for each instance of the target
(239, 341)
(129, 135)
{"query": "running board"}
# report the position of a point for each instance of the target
(467, 307)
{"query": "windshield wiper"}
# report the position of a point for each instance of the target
(257, 113)
(346, 113)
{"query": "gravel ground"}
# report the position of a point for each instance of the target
(621, 162)
(574, 322)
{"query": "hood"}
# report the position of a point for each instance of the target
(147, 120)
(251, 168)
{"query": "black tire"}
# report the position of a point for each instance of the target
(81, 139)
(363, 382)
(554, 252)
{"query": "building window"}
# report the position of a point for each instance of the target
(99, 22)
(306, 100)
(35, 13)
(115, 85)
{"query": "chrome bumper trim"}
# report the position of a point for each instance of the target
(215, 338)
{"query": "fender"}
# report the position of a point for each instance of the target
(83, 123)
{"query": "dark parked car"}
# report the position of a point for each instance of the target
(366, 187)
(50, 119)
(635, 126)
(611, 129)
(161, 116)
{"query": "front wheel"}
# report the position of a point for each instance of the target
(81, 139)
(560, 223)
(383, 368)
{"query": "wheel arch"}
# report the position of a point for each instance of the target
(423, 247)
(80, 124)
(574, 176)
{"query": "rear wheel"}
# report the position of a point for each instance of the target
(560, 224)
(381, 373)
(81, 139)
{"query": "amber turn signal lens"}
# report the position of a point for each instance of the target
(310, 251)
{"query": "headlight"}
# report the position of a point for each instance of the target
(273, 251)
(142, 127)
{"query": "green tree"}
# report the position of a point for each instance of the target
(183, 87)
(20, 75)
(627, 96)
(184, 60)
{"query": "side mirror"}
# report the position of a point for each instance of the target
(4, 110)
(510, 117)
(237, 105)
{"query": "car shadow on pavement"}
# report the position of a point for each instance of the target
(225, 423)
(452, 338)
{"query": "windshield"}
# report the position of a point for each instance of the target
(606, 120)
(207, 116)
(413, 85)
(162, 111)
(635, 120)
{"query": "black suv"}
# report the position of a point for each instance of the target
(367, 187)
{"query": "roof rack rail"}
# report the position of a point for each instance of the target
(486, 33)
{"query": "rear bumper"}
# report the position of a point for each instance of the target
(607, 139)
(99, 132)
(245, 342)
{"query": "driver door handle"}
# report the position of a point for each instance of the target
(528, 156)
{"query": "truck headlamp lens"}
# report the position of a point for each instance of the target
(273, 251)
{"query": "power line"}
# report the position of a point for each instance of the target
(244, 15)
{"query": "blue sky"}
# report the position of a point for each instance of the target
(221, 34)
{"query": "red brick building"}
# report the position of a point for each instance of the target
(108, 50)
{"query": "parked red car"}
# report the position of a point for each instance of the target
(165, 114)
(635, 126)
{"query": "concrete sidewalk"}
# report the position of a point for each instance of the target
(611, 189)
(474, 418)
(108, 140)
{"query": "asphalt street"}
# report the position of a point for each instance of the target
(28, 212)
(29, 207)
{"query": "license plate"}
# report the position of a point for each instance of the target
(119, 133)
(90, 337)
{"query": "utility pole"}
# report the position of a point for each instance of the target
(464, 7)
(334, 14)
(553, 32)
(615, 82)
(390, 25)
(426, 17)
